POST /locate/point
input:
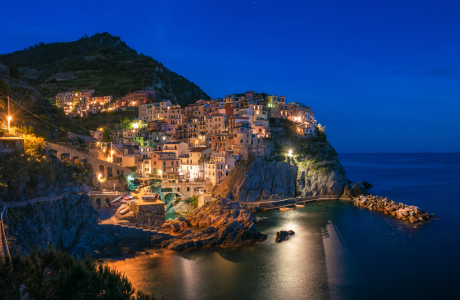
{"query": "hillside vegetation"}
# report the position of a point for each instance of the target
(101, 62)
(30, 174)
(52, 274)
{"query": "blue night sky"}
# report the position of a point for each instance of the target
(383, 76)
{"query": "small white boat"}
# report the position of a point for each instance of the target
(300, 205)
(116, 199)
(285, 208)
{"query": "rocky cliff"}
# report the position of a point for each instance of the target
(260, 180)
(320, 178)
(31, 174)
(225, 224)
(314, 169)
(72, 225)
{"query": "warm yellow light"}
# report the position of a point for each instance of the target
(135, 125)
(113, 152)
(9, 118)
(100, 176)
(290, 153)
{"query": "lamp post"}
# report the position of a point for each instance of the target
(9, 120)
(9, 117)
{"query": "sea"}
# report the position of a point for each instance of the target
(339, 251)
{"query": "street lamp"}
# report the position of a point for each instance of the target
(9, 120)
(290, 153)
(111, 156)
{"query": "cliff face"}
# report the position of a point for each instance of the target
(313, 170)
(30, 175)
(324, 178)
(261, 180)
(320, 171)
(72, 225)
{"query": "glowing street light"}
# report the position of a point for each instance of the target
(9, 120)
(99, 176)
(135, 125)
(290, 153)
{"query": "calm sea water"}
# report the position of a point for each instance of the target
(339, 251)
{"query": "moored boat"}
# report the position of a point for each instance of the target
(285, 208)
(300, 205)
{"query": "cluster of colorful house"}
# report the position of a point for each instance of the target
(201, 141)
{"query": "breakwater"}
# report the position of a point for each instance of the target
(408, 213)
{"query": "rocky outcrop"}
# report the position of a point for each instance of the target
(225, 224)
(324, 178)
(265, 180)
(408, 213)
(314, 169)
(367, 185)
(70, 224)
(356, 190)
(283, 235)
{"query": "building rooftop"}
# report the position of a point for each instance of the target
(199, 149)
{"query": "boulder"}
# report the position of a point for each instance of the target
(358, 189)
(367, 185)
(283, 235)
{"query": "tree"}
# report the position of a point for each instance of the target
(4, 88)
(321, 135)
(106, 135)
(126, 123)
(52, 274)
(14, 72)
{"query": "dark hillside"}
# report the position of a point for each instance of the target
(101, 62)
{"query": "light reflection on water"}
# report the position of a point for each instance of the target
(369, 256)
(293, 269)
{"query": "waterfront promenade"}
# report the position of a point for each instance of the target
(276, 204)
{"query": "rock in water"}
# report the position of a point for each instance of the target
(227, 224)
(283, 235)
(358, 189)
(367, 185)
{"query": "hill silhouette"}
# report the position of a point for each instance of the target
(102, 62)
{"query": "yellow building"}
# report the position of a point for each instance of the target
(275, 100)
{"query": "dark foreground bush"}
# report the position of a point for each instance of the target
(54, 274)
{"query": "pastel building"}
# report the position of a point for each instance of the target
(216, 170)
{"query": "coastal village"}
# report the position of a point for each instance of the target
(199, 142)
(162, 150)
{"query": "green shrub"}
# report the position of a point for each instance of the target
(54, 274)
